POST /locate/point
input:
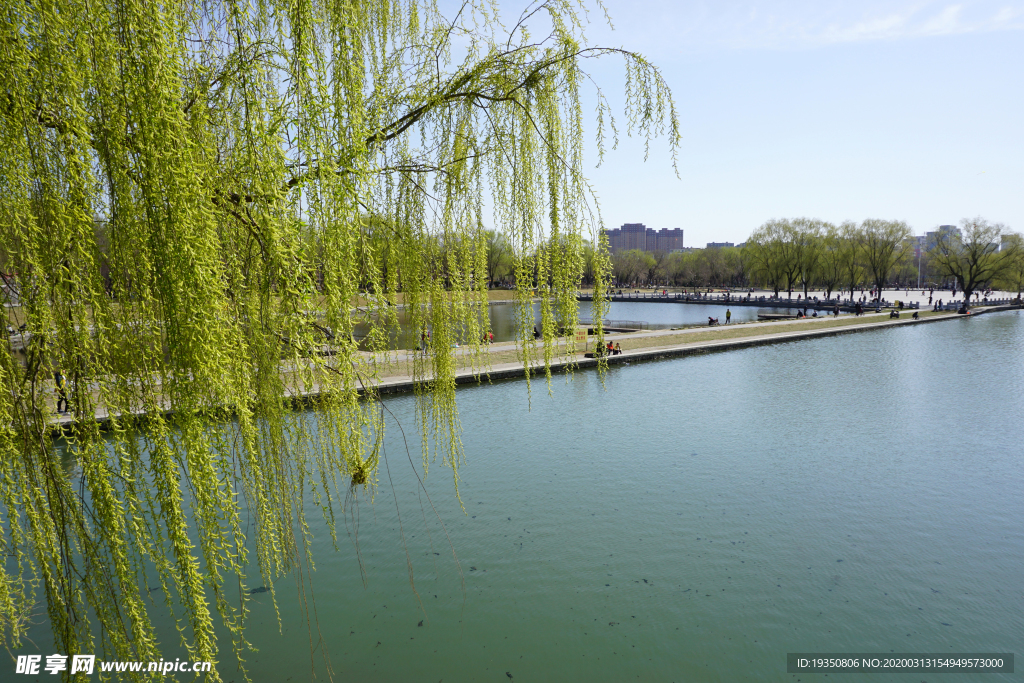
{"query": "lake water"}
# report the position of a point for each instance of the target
(692, 520)
(682, 315)
(505, 324)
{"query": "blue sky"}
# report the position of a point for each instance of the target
(833, 110)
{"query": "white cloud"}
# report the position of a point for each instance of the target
(946, 22)
(701, 24)
(923, 19)
(871, 29)
(1006, 15)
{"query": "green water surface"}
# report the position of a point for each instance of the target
(691, 520)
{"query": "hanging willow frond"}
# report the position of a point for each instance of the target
(199, 201)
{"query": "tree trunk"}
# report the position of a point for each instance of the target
(968, 293)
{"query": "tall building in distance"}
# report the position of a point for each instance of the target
(639, 236)
(931, 238)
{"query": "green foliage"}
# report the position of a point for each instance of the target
(1012, 276)
(783, 253)
(498, 257)
(632, 266)
(265, 176)
(850, 250)
(830, 267)
(774, 254)
(973, 256)
(714, 267)
(886, 244)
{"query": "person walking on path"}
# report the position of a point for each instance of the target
(60, 385)
(728, 316)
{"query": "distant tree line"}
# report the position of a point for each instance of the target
(787, 255)
(800, 255)
(715, 266)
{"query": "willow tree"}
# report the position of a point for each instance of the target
(830, 271)
(766, 255)
(884, 245)
(1012, 278)
(807, 248)
(972, 255)
(851, 255)
(265, 173)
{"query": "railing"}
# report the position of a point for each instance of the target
(956, 305)
(789, 302)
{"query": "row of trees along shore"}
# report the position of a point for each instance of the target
(800, 255)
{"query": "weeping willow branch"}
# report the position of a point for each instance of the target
(199, 202)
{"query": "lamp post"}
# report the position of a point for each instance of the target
(919, 252)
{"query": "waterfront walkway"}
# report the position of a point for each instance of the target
(655, 344)
(503, 360)
(911, 300)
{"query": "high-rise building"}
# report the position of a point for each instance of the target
(919, 246)
(639, 236)
(669, 240)
(634, 236)
(945, 231)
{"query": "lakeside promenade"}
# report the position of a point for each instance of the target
(503, 360)
(913, 299)
(674, 343)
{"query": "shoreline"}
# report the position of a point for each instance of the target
(506, 371)
(637, 348)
